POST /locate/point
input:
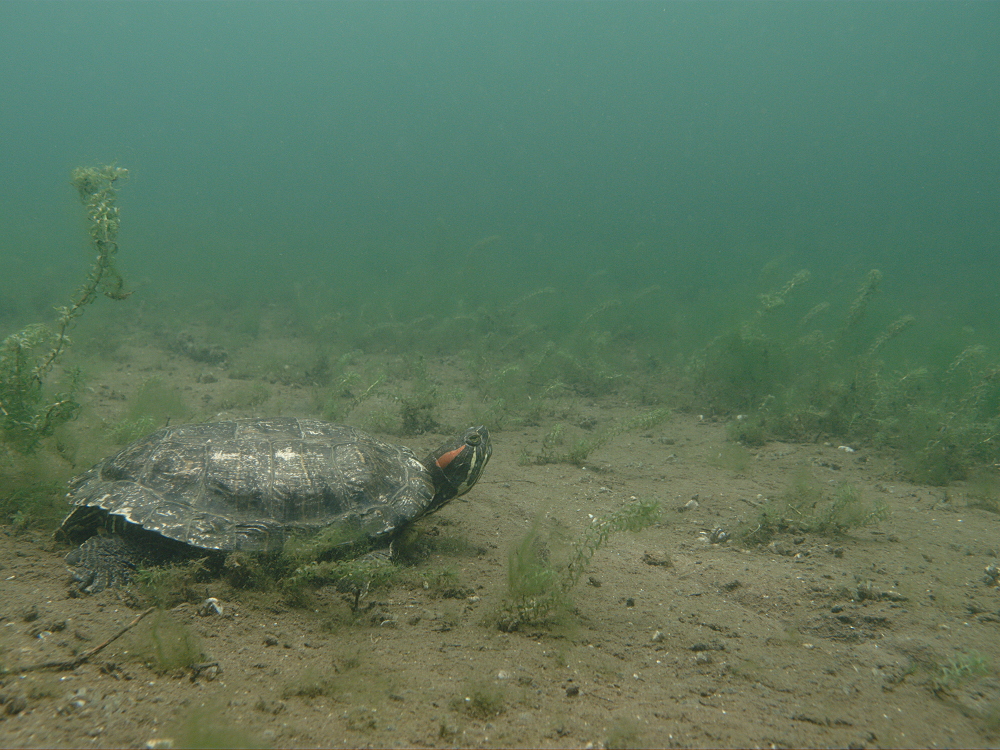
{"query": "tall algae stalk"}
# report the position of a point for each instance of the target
(537, 587)
(28, 356)
(866, 292)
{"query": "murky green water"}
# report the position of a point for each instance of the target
(598, 194)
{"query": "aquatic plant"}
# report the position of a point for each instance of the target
(417, 408)
(959, 669)
(125, 431)
(200, 727)
(805, 509)
(482, 700)
(165, 644)
(28, 412)
(168, 585)
(353, 578)
(581, 449)
(799, 377)
(247, 396)
(331, 556)
(623, 734)
(537, 587)
(158, 402)
(30, 494)
(316, 682)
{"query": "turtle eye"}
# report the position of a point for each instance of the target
(474, 439)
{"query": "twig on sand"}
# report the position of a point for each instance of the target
(81, 657)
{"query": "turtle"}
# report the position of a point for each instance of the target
(250, 485)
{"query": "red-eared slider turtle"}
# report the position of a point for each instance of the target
(250, 484)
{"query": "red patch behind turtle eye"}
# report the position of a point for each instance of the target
(448, 457)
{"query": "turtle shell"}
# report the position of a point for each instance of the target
(248, 484)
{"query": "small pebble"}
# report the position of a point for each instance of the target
(210, 606)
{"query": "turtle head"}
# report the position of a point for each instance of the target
(457, 465)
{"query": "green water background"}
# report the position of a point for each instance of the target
(640, 172)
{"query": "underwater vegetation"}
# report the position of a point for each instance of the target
(800, 374)
(958, 670)
(31, 493)
(164, 644)
(199, 727)
(578, 453)
(803, 361)
(792, 378)
(35, 397)
(623, 734)
(805, 508)
(482, 700)
(168, 585)
(353, 578)
(797, 357)
(537, 587)
(28, 412)
(153, 405)
(332, 556)
(348, 677)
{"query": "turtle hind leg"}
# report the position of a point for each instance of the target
(103, 561)
(111, 560)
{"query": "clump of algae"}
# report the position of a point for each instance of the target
(28, 412)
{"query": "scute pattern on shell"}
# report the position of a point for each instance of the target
(247, 484)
